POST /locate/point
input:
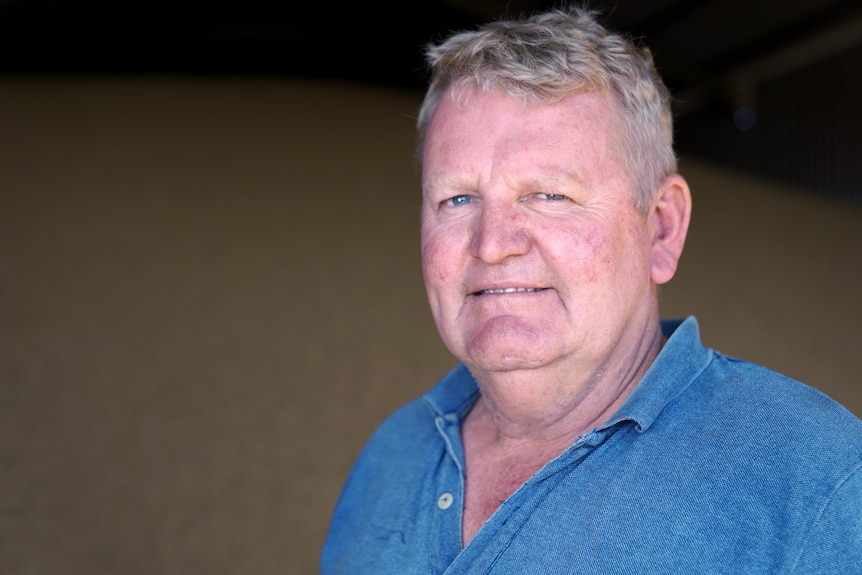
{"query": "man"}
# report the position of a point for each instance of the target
(580, 434)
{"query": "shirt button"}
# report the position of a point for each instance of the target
(445, 501)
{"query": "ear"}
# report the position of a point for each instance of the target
(670, 216)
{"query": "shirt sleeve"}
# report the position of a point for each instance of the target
(834, 544)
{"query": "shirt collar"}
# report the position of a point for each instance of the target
(453, 395)
(678, 364)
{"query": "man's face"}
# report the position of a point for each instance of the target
(532, 250)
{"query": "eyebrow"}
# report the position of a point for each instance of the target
(553, 179)
(448, 181)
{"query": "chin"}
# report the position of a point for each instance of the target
(511, 359)
(506, 364)
(507, 339)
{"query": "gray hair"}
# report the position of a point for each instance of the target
(551, 55)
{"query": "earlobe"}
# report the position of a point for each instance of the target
(670, 215)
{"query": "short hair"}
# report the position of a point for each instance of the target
(550, 55)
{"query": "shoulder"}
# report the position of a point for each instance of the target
(753, 390)
(758, 411)
(703, 385)
(781, 455)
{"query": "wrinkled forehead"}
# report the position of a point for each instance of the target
(463, 109)
(492, 136)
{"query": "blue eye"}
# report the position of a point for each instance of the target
(458, 201)
(552, 197)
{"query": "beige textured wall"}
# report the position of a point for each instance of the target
(210, 294)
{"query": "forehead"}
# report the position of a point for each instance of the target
(476, 130)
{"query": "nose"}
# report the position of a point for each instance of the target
(499, 233)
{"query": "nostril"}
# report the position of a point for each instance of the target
(493, 245)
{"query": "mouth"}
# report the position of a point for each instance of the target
(508, 290)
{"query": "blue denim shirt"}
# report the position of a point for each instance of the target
(712, 465)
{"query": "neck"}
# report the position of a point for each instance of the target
(557, 403)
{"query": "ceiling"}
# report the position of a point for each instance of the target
(712, 53)
(695, 41)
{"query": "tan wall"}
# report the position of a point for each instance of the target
(210, 294)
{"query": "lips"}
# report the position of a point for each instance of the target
(508, 290)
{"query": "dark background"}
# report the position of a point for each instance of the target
(768, 87)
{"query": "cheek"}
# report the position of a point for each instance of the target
(598, 248)
(437, 260)
(593, 253)
(583, 255)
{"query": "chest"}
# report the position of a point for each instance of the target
(489, 483)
